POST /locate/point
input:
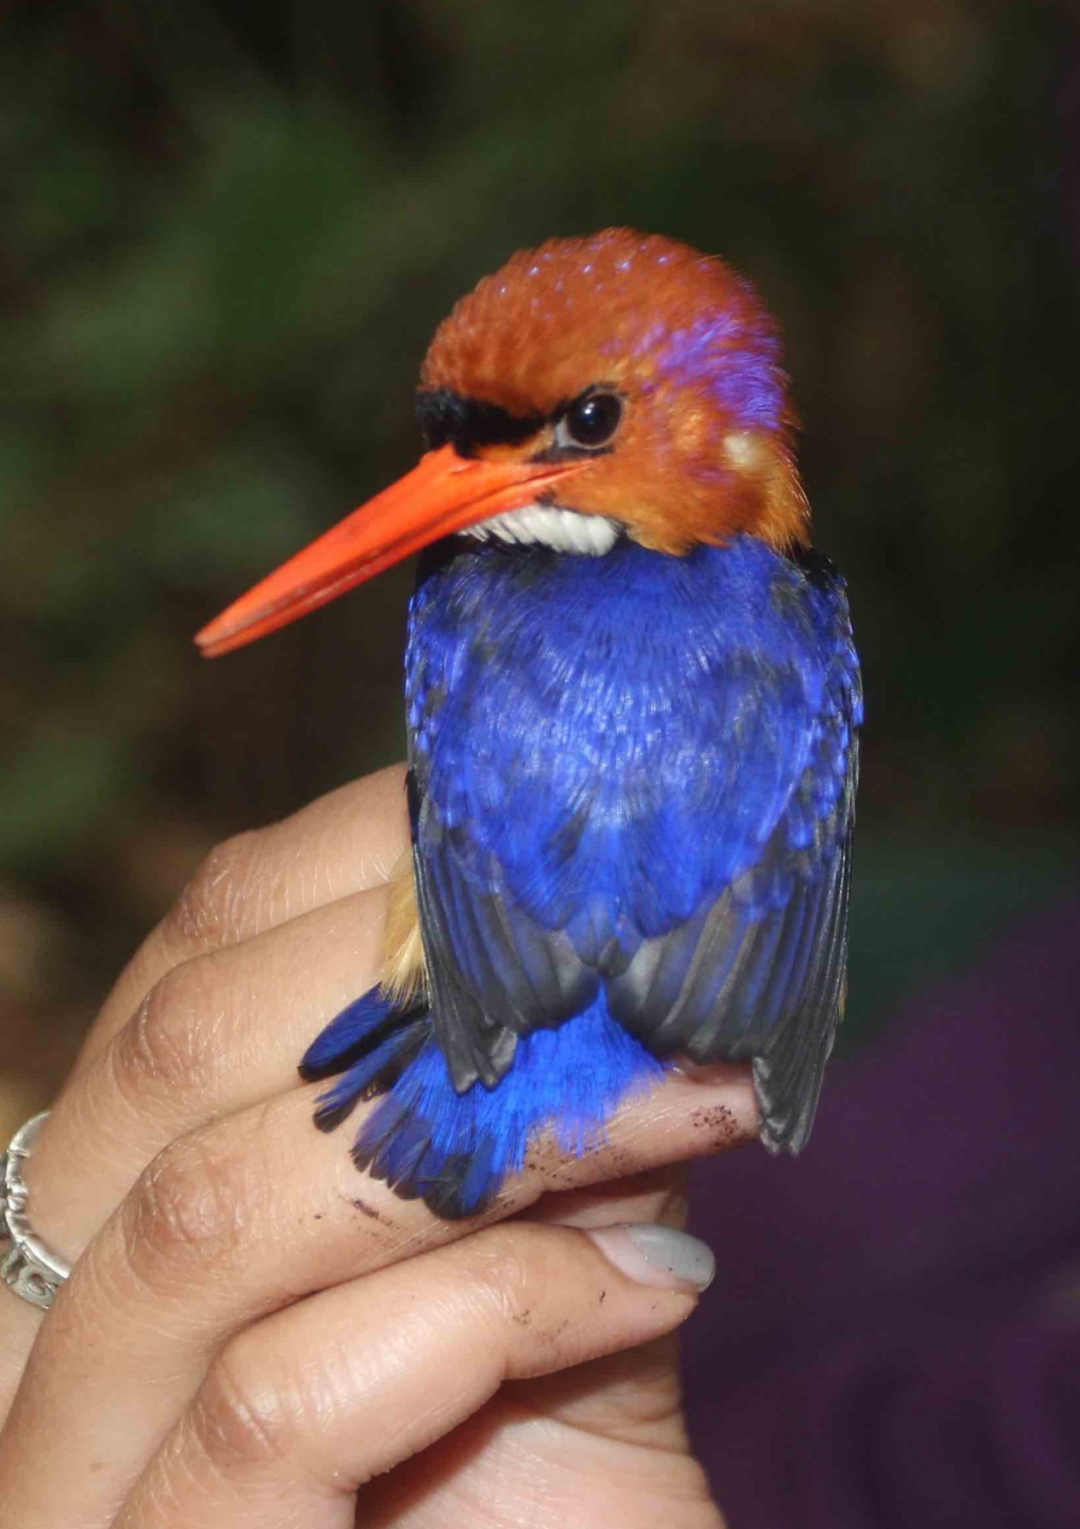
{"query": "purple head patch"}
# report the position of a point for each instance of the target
(738, 363)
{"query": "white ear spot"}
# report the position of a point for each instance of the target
(743, 450)
(561, 530)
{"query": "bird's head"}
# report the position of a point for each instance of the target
(621, 384)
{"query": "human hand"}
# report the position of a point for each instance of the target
(253, 1333)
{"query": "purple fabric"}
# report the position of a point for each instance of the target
(894, 1340)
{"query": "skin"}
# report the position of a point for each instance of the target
(254, 1333)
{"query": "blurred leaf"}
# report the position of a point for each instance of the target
(54, 792)
(241, 509)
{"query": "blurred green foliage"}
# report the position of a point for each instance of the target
(230, 231)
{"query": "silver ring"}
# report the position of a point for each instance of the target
(30, 1268)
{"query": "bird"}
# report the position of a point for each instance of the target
(633, 705)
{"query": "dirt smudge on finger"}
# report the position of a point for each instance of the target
(367, 1210)
(722, 1124)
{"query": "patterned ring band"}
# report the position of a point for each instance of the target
(29, 1267)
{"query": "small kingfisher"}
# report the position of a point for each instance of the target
(633, 703)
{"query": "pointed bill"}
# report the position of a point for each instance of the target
(444, 493)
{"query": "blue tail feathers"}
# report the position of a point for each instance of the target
(348, 1037)
(454, 1150)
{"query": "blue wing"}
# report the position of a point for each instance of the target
(633, 776)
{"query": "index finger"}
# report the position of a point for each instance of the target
(342, 843)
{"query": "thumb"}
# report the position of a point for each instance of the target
(634, 1396)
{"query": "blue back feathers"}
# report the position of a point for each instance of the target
(627, 732)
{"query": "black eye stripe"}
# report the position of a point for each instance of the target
(449, 418)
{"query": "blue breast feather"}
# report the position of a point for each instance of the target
(632, 789)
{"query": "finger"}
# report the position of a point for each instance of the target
(634, 1397)
(306, 1407)
(345, 842)
(614, 1454)
(214, 1035)
(245, 1217)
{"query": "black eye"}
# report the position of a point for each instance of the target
(592, 421)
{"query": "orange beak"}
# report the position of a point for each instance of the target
(444, 493)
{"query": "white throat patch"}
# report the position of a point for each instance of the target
(561, 530)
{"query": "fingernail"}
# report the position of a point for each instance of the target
(656, 1255)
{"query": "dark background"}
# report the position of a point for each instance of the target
(229, 231)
